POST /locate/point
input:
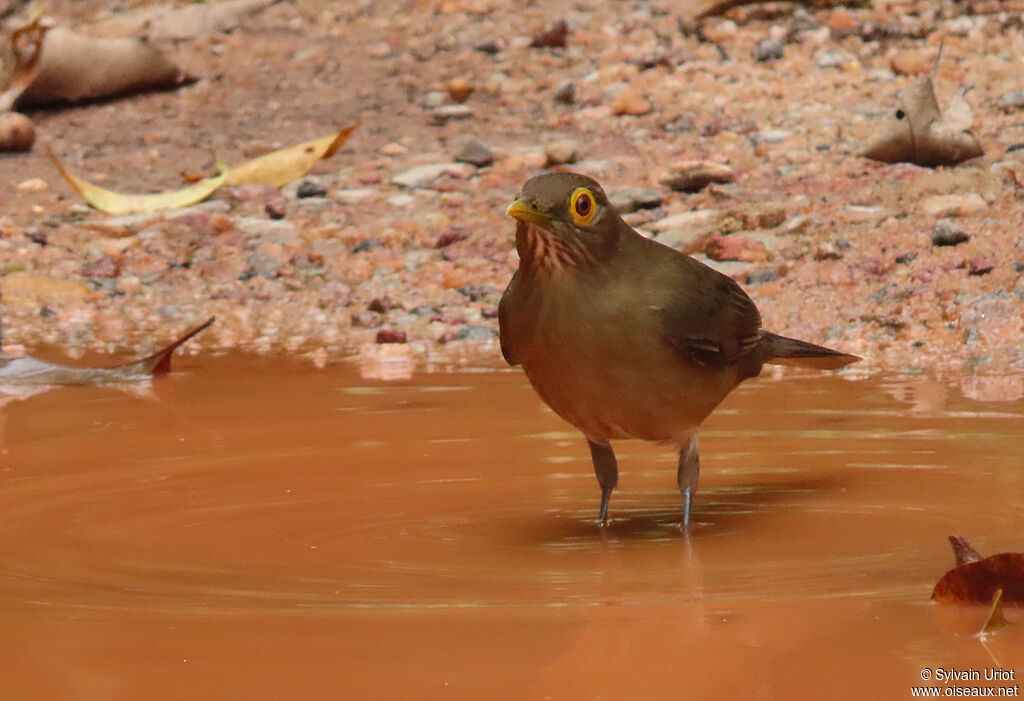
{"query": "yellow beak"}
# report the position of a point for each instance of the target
(526, 212)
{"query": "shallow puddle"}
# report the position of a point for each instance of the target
(260, 529)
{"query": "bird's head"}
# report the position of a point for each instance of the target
(565, 220)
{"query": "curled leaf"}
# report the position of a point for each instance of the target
(122, 203)
(918, 133)
(21, 57)
(274, 169)
(26, 370)
(285, 165)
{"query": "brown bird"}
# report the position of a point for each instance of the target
(624, 337)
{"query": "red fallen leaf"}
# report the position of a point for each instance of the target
(977, 581)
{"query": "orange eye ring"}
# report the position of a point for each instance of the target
(582, 206)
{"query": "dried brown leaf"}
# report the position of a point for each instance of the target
(23, 51)
(977, 582)
(77, 67)
(26, 370)
(918, 133)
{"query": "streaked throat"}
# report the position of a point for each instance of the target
(545, 251)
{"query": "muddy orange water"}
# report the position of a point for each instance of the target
(261, 529)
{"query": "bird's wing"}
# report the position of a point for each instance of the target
(708, 317)
(505, 324)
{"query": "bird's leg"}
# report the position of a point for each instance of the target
(607, 470)
(688, 475)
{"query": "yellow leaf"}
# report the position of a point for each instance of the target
(121, 203)
(288, 164)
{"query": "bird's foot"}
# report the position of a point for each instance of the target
(687, 502)
(602, 516)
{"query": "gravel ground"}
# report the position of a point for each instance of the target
(398, 246)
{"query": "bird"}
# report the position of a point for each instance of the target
(624, 337)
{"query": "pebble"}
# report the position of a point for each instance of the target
(367, 320)
(103, 267)
(261, 265)
(433, 99)
(402, 200)
(276, 209)
(768, 50)
(947, 232)
(427, 175)
(452, 235)
(830, 58)
(733, 268)
(475, 292)
(17, 133)
(953, 205)
(565, 93)
(693, 176)
(475, 333)
(741, 248)
(355, 195)
(686, 231)
(459, 89)
(473, 150)
(367, 245)
(630, 199)
(994, 319)
(40, 289)
(554, 37)
(33, 185)
(980, 266)
(1012, 100)
(560, 153)
(391, 336)
(697, 218)
(36, 235)
(382, 304)
(629, 101)
(267, 230)
(762, 275)
(912, 62)
(393, 149)
(841, 20)
(451, 113)
(763, 216)
(311, 188)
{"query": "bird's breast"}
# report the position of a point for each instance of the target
(594, 352)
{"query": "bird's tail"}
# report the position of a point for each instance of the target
(780, 350)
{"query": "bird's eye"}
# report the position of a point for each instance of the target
(900, 114)
(581, 206)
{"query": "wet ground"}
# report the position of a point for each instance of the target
(257, 528)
